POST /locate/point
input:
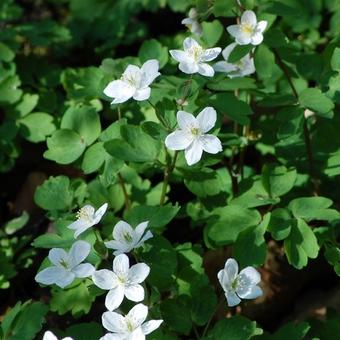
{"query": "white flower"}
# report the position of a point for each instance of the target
(67, 266)
(130, 327)
(194, 57)
(239, 286)
(249, 31)
(135, 82)
(122, 280)
(241, 68)
(192, 23)
(126, 238)
(86, 218)
(48, 335)
(191, 135)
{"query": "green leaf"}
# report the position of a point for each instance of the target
(313, 208)
(232, 84)
(301, 244)
(64, 146)
(49, 241)
(157, 216)
(152, 49)
(6, 54)
(227, 223)
(9, 92)
(212, 32)
(94, 158)
(84, 120)
(36, 126)
(16, 224)
(335, 60)
(264, 62)
(291, 331)
(224, 8)
(136, 146)
(54, 194)
(315, 100)
(236, 328)
(239, 52)
(26, 105)
(280, 224)
(85, 331)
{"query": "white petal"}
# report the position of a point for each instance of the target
(231, 268)
(210, 144)
(121, 265)
(83, 270)
(249, 66)
(249, 18)
(243, 39)
(252, 293)
(142, 94)
(111, 336)
(149, 72)
(226, 52)
(211, 54)
(57, 255)
(179, 55)
(193, 153)
(79, 252)
(138, 314)
(114, 298)
(49, 275)
(121, 230)
(65, 279)
(49, 336)
(147, 236)
(80, 226)
(193, 13)
(189, 43)
(257, 38)
(178, 140)
(104, 279)
(119, 90)
(206, 119)
(232, 299)
(139, 231)
(114, 322)
(187, 21)
(224, 280)
(119, 246)
(206, 70)
(223, 66)
(138, 273)
(186, 121)
(134, 293)
(150, 326)
(233, 30)
(133, 72)
(252, 274)
(99, 213)
(137, 334)
(261, 26)
(188, 67)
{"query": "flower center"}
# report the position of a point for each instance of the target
(130, 325)
(235, 283)
(63, 263)
(127, 237)
(85, 213)
(247, 29)
(196, 52)
(195, 131)
(122, 279)
(128, 78)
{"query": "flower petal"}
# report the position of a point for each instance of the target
(138, 273)
(147, 236)
(189, 43)
(80, 226)
(121, 230)
(79, 252)
(206, 70)
(150, 326)
(111, 336)
(188, 67)
(261, 26)
(226, 52)
(139, 231)
(211, 53)
(114, 297)
(178, 140)
(233, 30)
(83, 270)
(252, 274)
(138, 314)
(232, 299)
(49, 275)
(114, 322)
(99, 213)
(65, 279)
(206, 119)
(243, 39)
(56, 255)
(119, 246)
(248, 17)
(149, 72)
(133, 72)
(211, 144)
(231, 268)
(257, 38)
(252, 292)
(186, 121)
(137, 334)
(134, 293)
(119, 90)
(48, 335)
(104, 279)
(224, 280)
(179, 55)
(121, 265)
(142, 94)
(223, 66)
(193, 153)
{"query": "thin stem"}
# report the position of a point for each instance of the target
(195, 331)
(160, 118)
(212, 316)
(167, 172)
(186, 91)
(126, 196)
(119, 113)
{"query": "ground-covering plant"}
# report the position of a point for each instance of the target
(184, 160)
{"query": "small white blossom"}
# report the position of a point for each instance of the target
(48, 335)
(125, 238)
(86, 218)
(191, 135)
(194, 58)
(122, 281)
(241, 68)
(249, 31)
(241, 285)
(67, 266)
(129, 327)
(192, 22)
(134, 83)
